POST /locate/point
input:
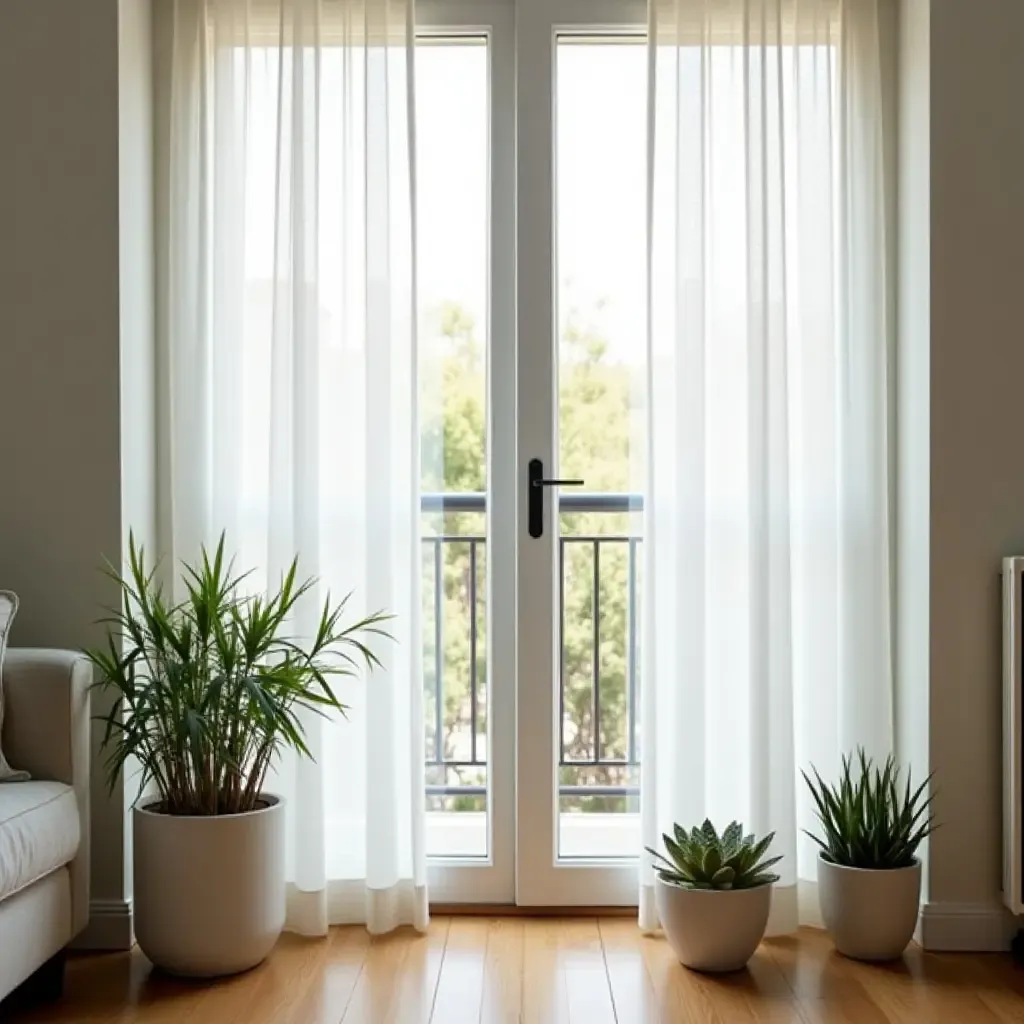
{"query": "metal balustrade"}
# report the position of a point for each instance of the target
(598, 760)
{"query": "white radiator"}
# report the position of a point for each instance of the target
(1013, 630)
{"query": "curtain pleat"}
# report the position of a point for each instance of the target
(288, 392)
(766, 632)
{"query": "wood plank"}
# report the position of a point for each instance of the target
(998, 983)
(920, 987)
(327, 993)
(825, 989)
(374, 993)
(633, 995)
(275, 989)
(460, 987)
(678, 993)
(767, 995)
(760, 993)
(502, 1001)
(97, 990)
(536, 971)
(417, 984)
(545, 997)
(586, 977)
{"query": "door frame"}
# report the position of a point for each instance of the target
(491, 880)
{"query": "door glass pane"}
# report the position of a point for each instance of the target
(452, 224)
(600, 192)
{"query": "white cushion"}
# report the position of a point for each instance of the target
(39, 832)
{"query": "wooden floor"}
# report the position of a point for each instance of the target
(539, 970)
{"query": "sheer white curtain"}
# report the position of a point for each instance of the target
(767, 528)
(288, 385)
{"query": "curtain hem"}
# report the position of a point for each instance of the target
(350, 901)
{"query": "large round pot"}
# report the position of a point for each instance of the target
(209, 890)
(871, 915)
(713, 929)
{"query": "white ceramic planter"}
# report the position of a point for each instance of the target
(209, 891)
(713, 930)
(871, 915)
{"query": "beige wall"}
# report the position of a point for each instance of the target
(977, 414)
(961, 471)
(60, 333)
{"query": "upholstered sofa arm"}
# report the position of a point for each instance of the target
(46, 732)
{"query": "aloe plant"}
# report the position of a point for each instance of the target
(870, 818)
(701, 859)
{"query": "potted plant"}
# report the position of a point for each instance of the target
(869, 876)
(713, 895)
(207, 693)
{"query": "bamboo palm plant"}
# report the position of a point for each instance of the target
(210, 690)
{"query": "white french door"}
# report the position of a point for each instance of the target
(581, 142)
(531, 143)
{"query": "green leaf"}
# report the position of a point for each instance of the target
(206, 694)
(702, 859)
(676, 852)
(723, 877)
(712, 862)
(762, 879)
(871, 817)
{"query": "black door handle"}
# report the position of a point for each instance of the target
(537, 483)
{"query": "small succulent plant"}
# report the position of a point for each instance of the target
(701, 859)
(868, 819)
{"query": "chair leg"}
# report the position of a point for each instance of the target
(46, 985)
(48, 982)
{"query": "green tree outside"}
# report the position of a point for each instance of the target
(595, 430)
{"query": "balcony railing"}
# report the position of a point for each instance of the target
(610, 773)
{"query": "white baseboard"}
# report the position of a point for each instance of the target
(109, 928)
(966, 927)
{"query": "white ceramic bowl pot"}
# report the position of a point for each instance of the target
(209, 891)
(871, 915)
(713, 929)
